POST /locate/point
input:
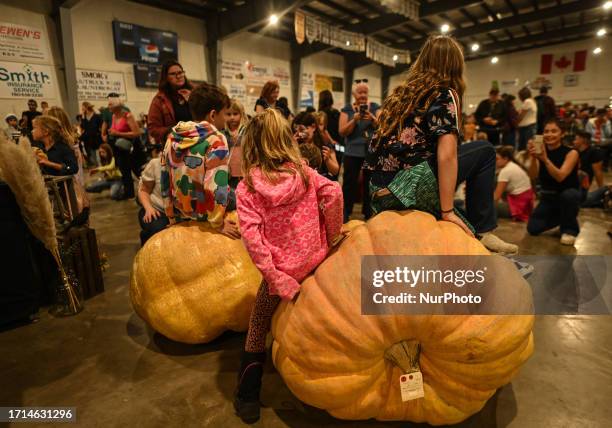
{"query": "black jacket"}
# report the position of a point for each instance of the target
(63, 154)
(496, 111)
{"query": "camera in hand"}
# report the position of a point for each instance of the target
(301, 136)
(363, 108)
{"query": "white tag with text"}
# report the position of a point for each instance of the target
(411, 386)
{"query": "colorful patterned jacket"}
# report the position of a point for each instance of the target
(194, 177)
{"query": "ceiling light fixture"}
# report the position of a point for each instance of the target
(348, 43)
(445, 28)
(601, 32)
(273, 19)
(395, 57)
(475, 47)
(607, 5)
(494, 60)
(597, 50)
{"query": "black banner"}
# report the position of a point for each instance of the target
(142, 45)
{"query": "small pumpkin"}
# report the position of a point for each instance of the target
(190, 283)
(333, 358)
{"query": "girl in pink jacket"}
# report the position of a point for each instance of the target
(289, 216)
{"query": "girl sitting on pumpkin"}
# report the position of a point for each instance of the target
(289, 216)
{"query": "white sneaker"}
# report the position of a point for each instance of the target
(567, 239)
(496, 245)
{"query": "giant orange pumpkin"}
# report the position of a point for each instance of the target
(332, 357)
(191, 283)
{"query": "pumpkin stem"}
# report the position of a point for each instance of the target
(405, 355)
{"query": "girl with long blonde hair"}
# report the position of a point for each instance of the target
(73, 139)
(416, 159)
(54, 141)
(289, 216)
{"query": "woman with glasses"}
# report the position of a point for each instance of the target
(169, 106)
(357, 124)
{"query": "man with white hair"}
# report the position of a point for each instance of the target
(357, 124)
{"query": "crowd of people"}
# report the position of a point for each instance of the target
(558, 154)
(198, 155)
(563, 169)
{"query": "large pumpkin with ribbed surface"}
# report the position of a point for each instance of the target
(333, 358)
(191, 283)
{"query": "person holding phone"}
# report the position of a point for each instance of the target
(556, 166)
(306, 132)
(358, 122)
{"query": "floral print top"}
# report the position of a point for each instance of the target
(417, 141)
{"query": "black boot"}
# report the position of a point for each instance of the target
(246, 399)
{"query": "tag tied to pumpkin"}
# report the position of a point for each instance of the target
(411, 386)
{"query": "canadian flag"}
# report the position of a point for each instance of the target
(562, 63)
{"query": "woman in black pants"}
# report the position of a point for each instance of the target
(556, 166)
(122, 133)
(415, 158)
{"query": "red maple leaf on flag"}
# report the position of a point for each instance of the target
(551, 63)
(563, 62)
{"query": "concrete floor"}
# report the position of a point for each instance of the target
(118, 373)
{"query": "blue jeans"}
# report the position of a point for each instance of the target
(476, 166)
(593, 199)
(525, 134)
(115, 186)
(554, 210)
(149, 229)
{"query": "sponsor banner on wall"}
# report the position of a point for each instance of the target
(307, 95)
(19, 80)
(282, 75)
(22, 43)
(96, 84)
(237, 91)
(232, 70)
(245, 79)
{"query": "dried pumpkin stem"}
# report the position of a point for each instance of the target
(405, 355)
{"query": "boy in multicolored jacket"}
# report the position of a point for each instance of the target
(194, 176)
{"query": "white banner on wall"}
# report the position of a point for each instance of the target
(19, 80)
(22, 43)
(244, 80)
(96, 85)
(307, 95)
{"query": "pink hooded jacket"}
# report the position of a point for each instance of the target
(288, 228)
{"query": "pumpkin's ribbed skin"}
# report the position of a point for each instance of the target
(331, 356)
(191, 284)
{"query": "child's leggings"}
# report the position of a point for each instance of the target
(261, 318)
